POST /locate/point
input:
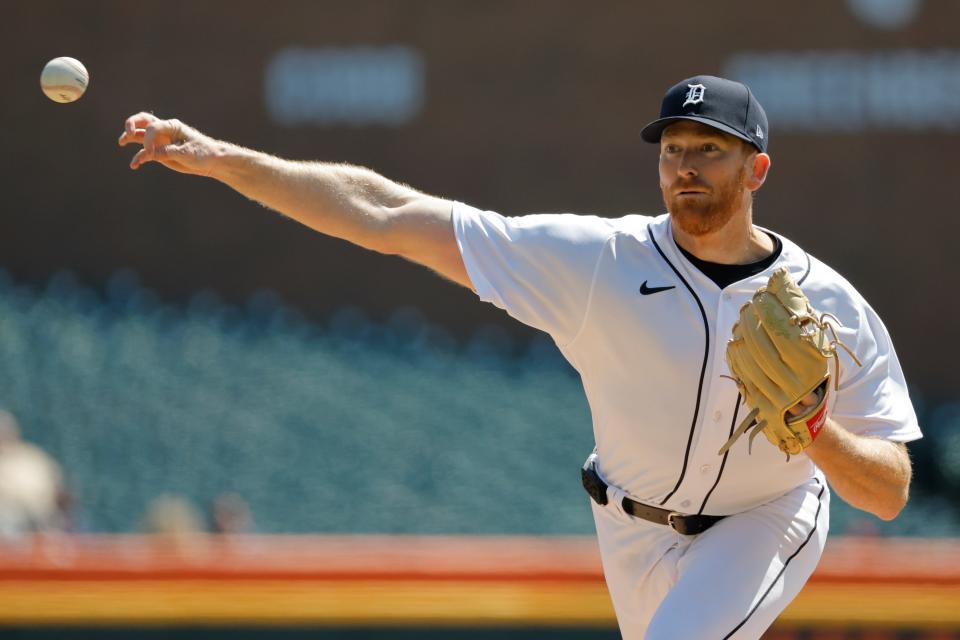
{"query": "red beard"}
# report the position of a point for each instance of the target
(704, 214)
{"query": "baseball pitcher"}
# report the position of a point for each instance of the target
(694, 333)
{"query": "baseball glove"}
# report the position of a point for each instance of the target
(779, 354)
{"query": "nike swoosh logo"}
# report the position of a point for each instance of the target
(645, 290)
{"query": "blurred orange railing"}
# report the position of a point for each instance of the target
(422, 580)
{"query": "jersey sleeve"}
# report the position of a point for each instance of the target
(538, 268)
(873, 400)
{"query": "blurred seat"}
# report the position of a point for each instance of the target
(351, 426)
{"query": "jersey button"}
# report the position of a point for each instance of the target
(716, 416)
(705, 468)
(685, 504)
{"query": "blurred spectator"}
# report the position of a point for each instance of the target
(173, 516)
(32, 494)
(176, 527)
(230, 514)
(72, 516)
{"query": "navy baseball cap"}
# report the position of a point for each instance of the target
(716, 102)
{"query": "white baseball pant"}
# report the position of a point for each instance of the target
(732, 581)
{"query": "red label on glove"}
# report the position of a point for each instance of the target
(815, 423)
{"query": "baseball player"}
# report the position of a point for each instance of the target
(664, 319)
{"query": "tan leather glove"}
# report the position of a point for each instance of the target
(779, 354)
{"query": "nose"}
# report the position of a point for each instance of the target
(686, 167)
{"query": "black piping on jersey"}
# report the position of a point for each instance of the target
(703, 367)
(736, 412)
(816, 521)
(804, 277)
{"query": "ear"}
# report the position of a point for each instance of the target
(758, 167)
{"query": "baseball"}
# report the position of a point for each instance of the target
(64, 79)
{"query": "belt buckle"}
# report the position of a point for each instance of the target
(676, 523)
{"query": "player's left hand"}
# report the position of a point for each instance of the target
(781, 349)
(803, 406)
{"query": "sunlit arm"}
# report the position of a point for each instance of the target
(344, 201)
(868, 473)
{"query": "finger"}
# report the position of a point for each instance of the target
(150, 154)
(799, 408)
(135, 123)
(156, 134)
(141, 157)
(128, 137)
(140, 121)
(168, 155)
(150, 136)
(164, 132)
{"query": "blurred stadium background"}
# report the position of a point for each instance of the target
(379, 454)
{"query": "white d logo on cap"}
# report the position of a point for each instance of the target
(695, 94)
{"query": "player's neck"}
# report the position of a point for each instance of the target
(737, 242)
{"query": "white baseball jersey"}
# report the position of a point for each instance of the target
(647, 332)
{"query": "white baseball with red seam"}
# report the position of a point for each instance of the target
(64, 79)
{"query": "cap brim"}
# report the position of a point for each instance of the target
(653, 131)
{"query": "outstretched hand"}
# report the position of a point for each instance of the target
(169, 142)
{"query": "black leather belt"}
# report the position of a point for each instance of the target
(683, 524)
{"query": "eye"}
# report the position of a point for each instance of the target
(670, 148)
(709, 146)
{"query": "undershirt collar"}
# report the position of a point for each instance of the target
(723, 275)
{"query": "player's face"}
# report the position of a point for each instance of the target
(702, 174)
